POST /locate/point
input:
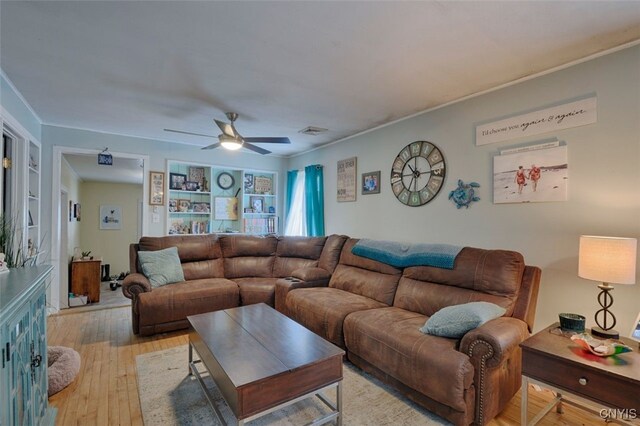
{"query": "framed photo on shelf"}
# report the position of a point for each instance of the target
(635, 330)
(156, 192)
(191, 185)
(257, 204)
(371, 183)
(201, 207)
(248, 183)
(196, 174)
(177, 181)
(173, 205)
(184, 205)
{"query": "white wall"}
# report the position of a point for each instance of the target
(604, 182)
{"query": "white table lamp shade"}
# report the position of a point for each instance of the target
(608, 259)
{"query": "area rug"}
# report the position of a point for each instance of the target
(168, 396)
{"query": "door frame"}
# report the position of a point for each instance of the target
(58, 289)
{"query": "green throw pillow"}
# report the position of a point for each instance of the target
(455, 321)
(161, 266)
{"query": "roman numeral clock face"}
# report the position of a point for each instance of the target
(417, 173)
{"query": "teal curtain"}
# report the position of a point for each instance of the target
(314, 200)
(292, 177)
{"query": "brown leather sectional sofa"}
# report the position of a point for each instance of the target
(370, 309)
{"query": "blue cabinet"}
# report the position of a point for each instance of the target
(23, 332)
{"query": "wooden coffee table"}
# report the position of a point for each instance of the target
(262, 361)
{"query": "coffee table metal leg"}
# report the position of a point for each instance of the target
(190, 359)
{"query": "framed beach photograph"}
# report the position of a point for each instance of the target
(110, 217)
(177, 181)
(156, 192)
(538, 175)
(371, 183)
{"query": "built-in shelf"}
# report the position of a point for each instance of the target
(191, 213)
(258, 195)
(182, 191)
(259, 214)
(32, 170)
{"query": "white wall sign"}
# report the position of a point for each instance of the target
(347, 179)
(565, 116)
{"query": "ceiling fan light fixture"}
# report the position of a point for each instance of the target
(230, 143)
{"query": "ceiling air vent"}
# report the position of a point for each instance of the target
(311, 130)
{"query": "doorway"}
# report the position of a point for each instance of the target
(85, 192)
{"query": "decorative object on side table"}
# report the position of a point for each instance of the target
(572, 322)
(609, 260)
(600, 347)
(464, 194)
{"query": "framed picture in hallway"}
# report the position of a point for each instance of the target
(156, 192)
(110, 217)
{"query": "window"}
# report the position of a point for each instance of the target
(296, 224)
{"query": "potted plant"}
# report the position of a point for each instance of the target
(14, 255)
(85, 255)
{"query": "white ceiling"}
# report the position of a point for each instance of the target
(138, 67)
(123, 170)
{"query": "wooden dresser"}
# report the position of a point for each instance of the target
(85, 279)
(23, 341)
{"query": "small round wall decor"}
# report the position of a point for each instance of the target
(417, 173)
(226, 180)
(464, 194)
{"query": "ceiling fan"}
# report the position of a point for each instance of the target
(231, 139)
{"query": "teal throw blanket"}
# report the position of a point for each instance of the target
(402, 255)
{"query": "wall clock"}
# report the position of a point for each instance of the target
(417, 174)
(225, 180)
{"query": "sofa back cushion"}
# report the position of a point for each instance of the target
(248, 256)
(365, 277)
(200, 255)
(331, 252)
(295, 253)
(478, 275)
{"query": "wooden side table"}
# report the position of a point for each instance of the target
(608, 386)
(85, 279)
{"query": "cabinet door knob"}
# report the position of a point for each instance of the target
(582, 381)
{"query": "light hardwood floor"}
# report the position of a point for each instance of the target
(106, 391)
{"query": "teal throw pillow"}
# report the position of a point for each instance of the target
(455, 321)
(161, 266)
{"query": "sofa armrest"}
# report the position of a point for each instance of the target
(285, 285)
(494, 351)
(312, 275)
(497, 338)
(135, 284)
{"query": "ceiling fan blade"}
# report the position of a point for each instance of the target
(255, 148)
(189, 133)
(212, 146)
(227, 128)
(267, 140)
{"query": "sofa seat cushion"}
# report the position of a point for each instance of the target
(389, 338)
(176, 301)
(257, 290)
(323, 310)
